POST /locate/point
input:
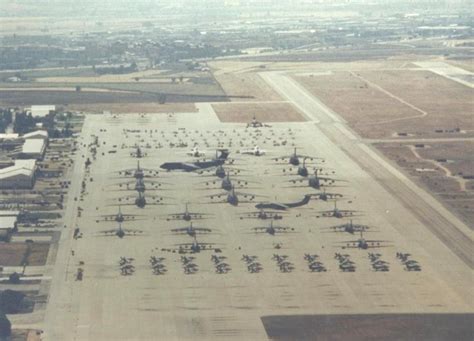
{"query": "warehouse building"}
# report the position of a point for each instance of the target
(38, 134)
(21, 175)
(8, 224)
(33, 149)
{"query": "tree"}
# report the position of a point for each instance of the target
(5, 326)
(10, 301)
(14, 278)
(162, 99)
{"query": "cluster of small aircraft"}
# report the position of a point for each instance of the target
(252, 263)
(284, 265)
(345, 262)
(314, 264)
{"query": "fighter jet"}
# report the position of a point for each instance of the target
(261, 214)
(139, 172)
(272, 230)
(336, 212)
(256, 124)
(364, 244)
(195, 152)
(294, 159)
(232, 197)
(197, 165)
(120, 232)
(284, 206)
(138, 153)
(118, 217)
(191, 230)
(256, 151)
(348, 227)
(187, 216)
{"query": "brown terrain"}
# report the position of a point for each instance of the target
(264, 112)
(13, 254)
(416, 103)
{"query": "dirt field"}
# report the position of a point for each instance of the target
(12, 254)
(23, 98)
(413, 102)
(446, 180)
(264, 112)
(391, 327)
(463, 64)
(148, 108)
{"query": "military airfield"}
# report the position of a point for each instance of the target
(131, 267)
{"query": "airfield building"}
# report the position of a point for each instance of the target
(35, 135)
(21, 175)
(8, 223)
(33, 149)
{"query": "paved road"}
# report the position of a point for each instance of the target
(447, 227)
(58, 293)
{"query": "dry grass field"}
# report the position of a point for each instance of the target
(125, 108)
(248, 85)
(448, 163)
(382, 103)
(264, 112)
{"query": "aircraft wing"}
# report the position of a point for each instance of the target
(251, 195)
(271, 206)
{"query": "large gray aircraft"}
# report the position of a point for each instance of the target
(194, 247)
(187, 215)
(197, 165)
(294, 159)
(284, 206)
(336, 212)
(347, 227)
(364, 244)
(226, 183)
(121, 232)
(191, 230)
(140, 185)
(119, 217)
(232, 197)
(272, 230)
(140, 201)
(139, 172)
(262, 214)
(314, 181)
